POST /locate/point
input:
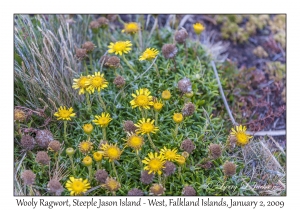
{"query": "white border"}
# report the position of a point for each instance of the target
(150, 6)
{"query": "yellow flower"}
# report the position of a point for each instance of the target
(81, 83)
(111, 184)
(87, 161)
(169, 154)
(112, 152)
(97, 156)
(166, 95)
(181, 160)
(146, 126)
(240, 134)
(157, 106)
(96, 82)
(64, 114)
(77, 186)
(134, 141)
(131, 28)
(85, 146)
(20, 115)
(178, 117)
(142, 99)
(149, 54)
(120, 47)
(198, 28)
(70, 151)
(88, 128)
(102, 120)
(154, 163)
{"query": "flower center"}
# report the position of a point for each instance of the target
(64, 113)
(135, 141)
(85, 146)
(170, 155)
(112, 152)
(103, 120)
(78, 186)
(82, 82)
(97, 81)
(147, 127)
(155, 164)
(142, 100)
(119, 46)
(241, 137)
(112, 185)
(157, 106)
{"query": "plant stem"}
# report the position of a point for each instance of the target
(101, 101)
(99, 164)
(176, 129)
(138, 157)
(65, 132)
(87, 97)
(180, 175)
(152, 144)
(86, 68)
(31, 193)
(72, 163)
(127, 63)
(91, 61)
(115, 171)
(157, 71)
(90, 173)
(174, 60)
(156, 118)
(104, 133)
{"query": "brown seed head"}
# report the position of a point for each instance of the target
(215, 150)
(55, 187)
(112, 185)
(156, 189)
(169, 50)
(146, 178)
(103, 22)
(104, 59)
(81, 53)
(54, 146)
(185, 85)
(19, 115)
(43, 138)
(27, 142)
(113, 61)
(129, 126)
(135, 192)
(101, 176)
(89, 46)
(119, 81)
(187, 145)
(188, 191)
(169, 169)
(94, 24)
(181, 35)
(111, 18)
(28, 177)
(229, 168)
(188, 109)
(42, 158)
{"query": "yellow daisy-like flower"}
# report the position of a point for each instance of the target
(96, 82)
(102, 120)
(166, 95)
(142, 99)
(87, 161)
(198, 28)
(242, 138)
(77, 186)
(169, 154)
(134, 141)
(146, 126)
(110, 151)
(149, 54)
(64, 114)
(97, 156)
(85, 147)
(181, 160)
(131, 28)
(120, 47)
(88, 128)
(158, 105)
(154, 163)
(80, 84)
(178, 117)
